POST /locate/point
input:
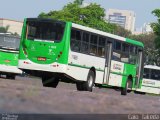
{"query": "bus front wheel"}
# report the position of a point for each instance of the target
(50, 81)
(127, 88)
(87, 85)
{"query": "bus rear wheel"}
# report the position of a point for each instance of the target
(50, 81)
(10, 77)
(87, 85)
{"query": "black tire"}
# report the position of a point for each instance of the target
(50, 81)
(87, 85)
(125, 90)
(130, 86)
(138, 92)
(13, 77)
(10, 77)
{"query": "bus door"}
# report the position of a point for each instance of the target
(108, 62)
(139, 70)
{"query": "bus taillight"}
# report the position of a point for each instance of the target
(60, 53)
(26, 62)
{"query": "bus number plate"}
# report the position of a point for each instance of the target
(7, 61)
(41, 59)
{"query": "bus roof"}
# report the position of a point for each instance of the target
(152, 67)
(81, 27)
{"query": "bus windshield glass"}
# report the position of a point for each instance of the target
(9, 42)
(49, 30)
(151, 74)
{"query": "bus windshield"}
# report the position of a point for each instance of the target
(49, 30)
(9, 42)
(151, 74)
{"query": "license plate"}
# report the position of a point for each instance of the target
(41, 59)
(7, 61)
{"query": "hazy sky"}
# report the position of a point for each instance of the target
(19, 9)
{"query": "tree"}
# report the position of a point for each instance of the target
(122, 32)
(4, 29)
(92, 15)
(79, 2)
(156, 27)
(150, 51)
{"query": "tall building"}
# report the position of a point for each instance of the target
(124, 18)
(14, 26)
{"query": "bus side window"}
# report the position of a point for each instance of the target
(75, 40)
(116, 56)
(117, 51)
(85, 43)
(158, 74)
(133, 56)
(125, 53)
(117, 45)
(93, 45)
(101, 46)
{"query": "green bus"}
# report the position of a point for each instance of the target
(9, 51)
(58, 50)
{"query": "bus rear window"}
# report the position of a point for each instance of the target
(45, 30)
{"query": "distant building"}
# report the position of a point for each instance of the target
(14, 26)
(124, 18)
(146, 28)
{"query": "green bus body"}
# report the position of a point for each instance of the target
(46, 53)
(8, 58)
(9, 55)
(41, 50)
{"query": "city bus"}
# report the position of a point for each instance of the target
(151, 80)
(9, 51)
(57, 49)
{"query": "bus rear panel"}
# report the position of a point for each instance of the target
(43, 45)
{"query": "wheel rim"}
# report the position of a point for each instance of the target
(90, 81)
(127, 85)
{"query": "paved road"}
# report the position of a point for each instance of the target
(27, 95)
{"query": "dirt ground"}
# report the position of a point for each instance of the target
(27, 95)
